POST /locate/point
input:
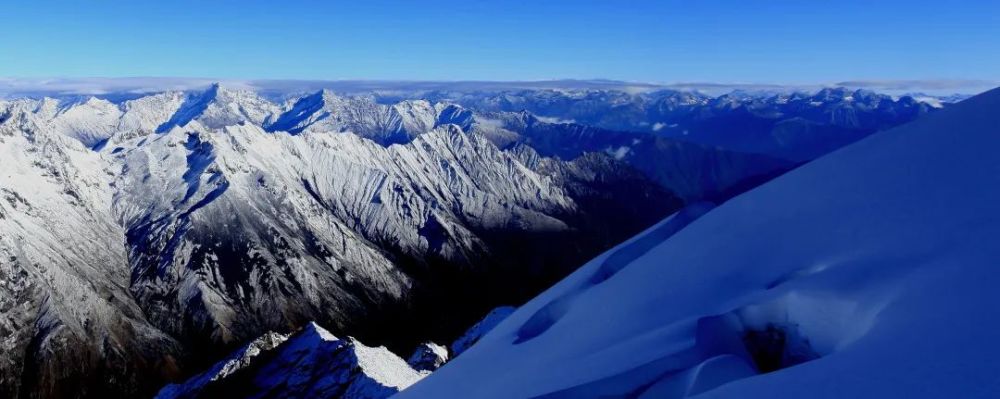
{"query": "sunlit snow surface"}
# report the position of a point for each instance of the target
(312, 363)
(877, 262)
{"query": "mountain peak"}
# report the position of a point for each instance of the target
(314, 331)
(310, 363)
(219, 106)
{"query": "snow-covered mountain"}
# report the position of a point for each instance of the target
(142, 238)
(248, 228)
(869, 272)
(312, 363)
(386, 124)
(68, 323)
(794, 126)
(678, 166)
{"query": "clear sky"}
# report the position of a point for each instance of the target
(772, 41)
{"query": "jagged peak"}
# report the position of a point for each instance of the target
(84, 101)
(448, 130)
(229, 106)
(322, 97)
(414, 103)
(217, 91)
(47, 104)
(313, 331)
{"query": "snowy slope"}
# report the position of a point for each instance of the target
(312, 363)
(247, 227)
(478, 330)
(325, 111)
(219, 107)
(65, 310)
(90, 121)
(867, 273)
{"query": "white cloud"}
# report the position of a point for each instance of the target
(10, 87)
(552, 119)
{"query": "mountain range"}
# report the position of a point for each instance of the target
(867, 273)
(142, 238)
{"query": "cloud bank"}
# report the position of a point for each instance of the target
(61, 87)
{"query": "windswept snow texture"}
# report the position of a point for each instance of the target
(869, 273)
(310, 364)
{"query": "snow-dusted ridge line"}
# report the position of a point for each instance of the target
(119, 226)
(788, 120)
(276, 364)
(309, 363)
(861, 274)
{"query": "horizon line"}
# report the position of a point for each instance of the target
(68, 86)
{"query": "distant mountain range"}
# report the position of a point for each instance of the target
(132, 87)
(142, 237)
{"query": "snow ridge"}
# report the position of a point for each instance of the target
(310, 363)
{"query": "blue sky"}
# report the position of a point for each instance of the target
(652, 41)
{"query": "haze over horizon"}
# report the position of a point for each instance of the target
(58, 87)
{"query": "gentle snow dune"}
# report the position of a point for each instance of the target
(877, 264)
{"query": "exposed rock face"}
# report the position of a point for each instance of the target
(312, 363)
(428, 357)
